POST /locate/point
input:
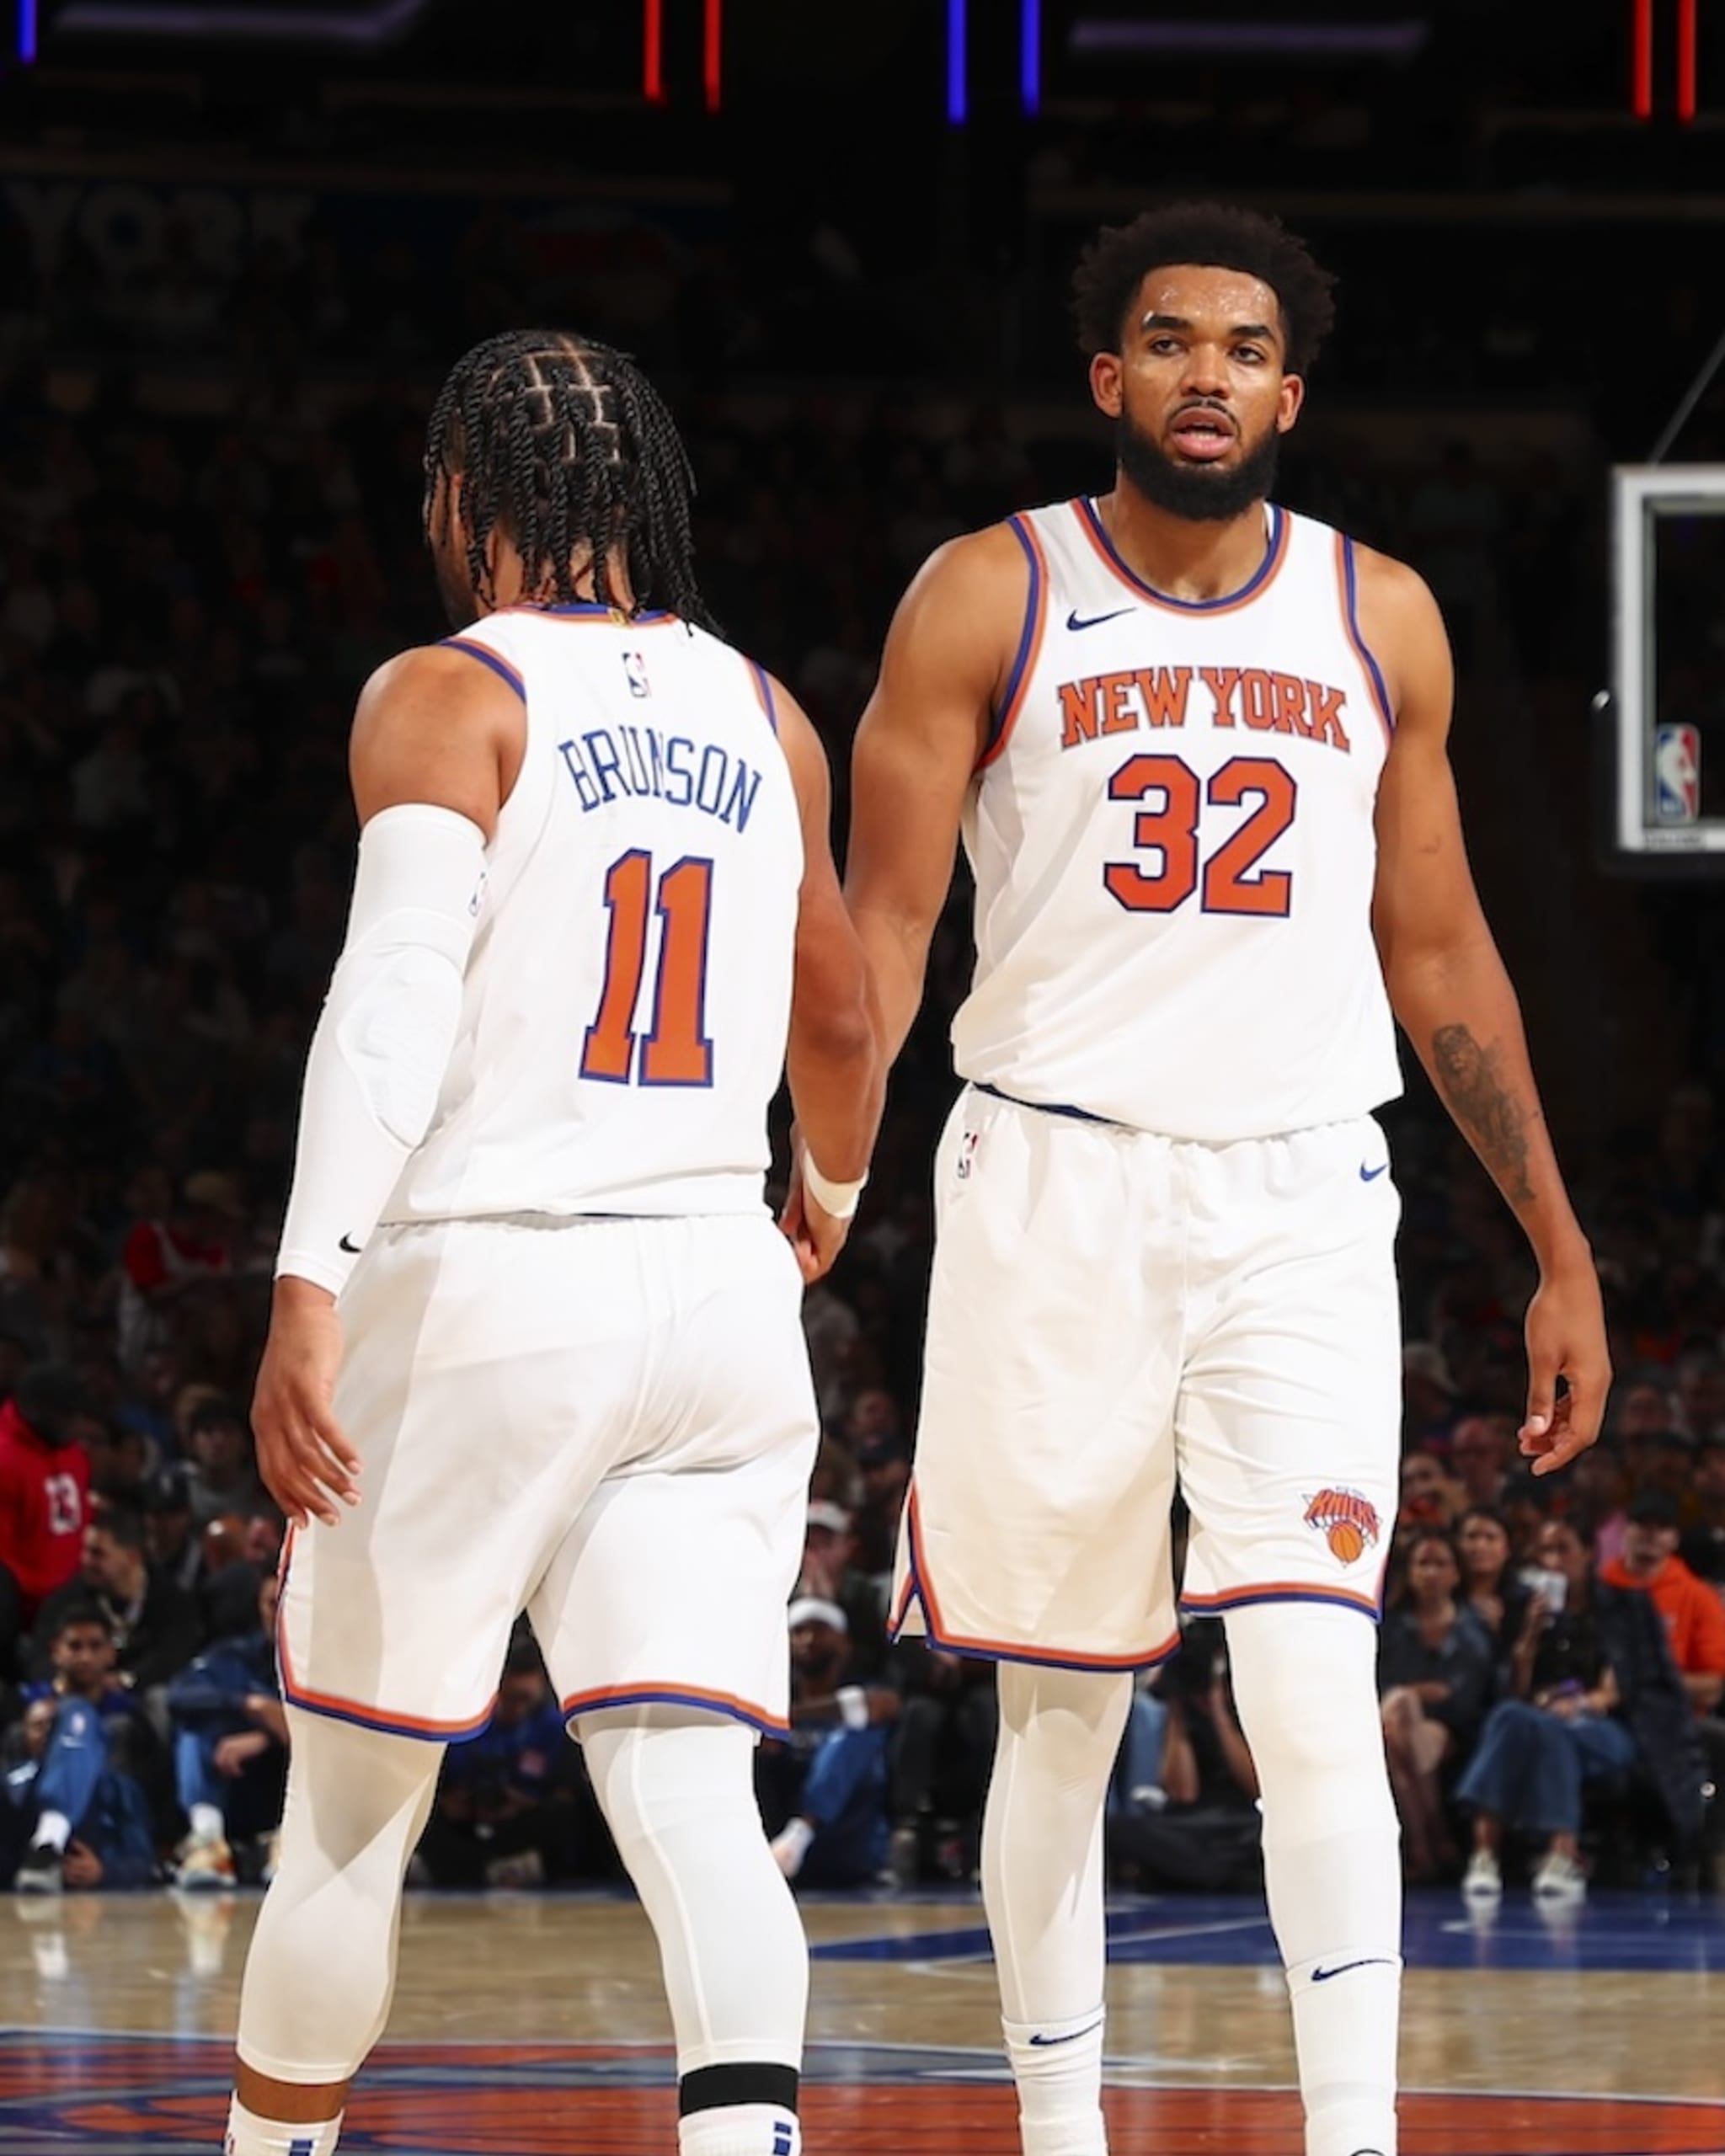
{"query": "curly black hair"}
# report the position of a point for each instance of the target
(1218, 236)
(564, 445)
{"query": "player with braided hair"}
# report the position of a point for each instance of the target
(535, 1342)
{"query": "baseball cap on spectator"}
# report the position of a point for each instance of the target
(167, 1491)
(823, 1512)
(1424, 1358)
(1654, 1508)
(817, 1609)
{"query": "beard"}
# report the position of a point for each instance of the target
(1202, 493)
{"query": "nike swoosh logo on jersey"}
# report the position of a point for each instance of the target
(1371, 1175)
(351, 1246)
(1048, 2042)
(1076, 621)
(1341, 1968)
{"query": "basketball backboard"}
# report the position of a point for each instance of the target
(1668, 685)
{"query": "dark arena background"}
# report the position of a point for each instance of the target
(241, 243)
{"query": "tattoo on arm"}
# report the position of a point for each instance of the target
(1471, 1078)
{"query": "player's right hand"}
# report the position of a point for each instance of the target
(304, 1460)
(814, 1235)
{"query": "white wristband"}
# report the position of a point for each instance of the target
(840, 1199)
(854, 1706)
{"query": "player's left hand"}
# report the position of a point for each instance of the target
(307, 1462)
(814, 1234)
(1566, 1338)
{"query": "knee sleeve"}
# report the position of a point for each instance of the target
(320, 1971)
(677, 1793)
(1042, 1840)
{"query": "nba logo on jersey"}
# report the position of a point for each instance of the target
(635, 672)
(1677, 774)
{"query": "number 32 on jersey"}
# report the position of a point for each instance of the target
(1231, 878)
(675, 1051)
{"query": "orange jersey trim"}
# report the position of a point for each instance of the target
(1347, 586)
(1268, 570)
(368, 1716)
(919, 1588)
(1030, 640)
(1238, 1598)
(650, 1693)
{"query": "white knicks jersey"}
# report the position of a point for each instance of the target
(628, 993)
(1172, 834)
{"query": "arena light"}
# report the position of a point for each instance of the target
(1030, 55)
(1687, 32)
(712, 55)
(957, 84)
(375, 24)
(27, 31)
(653, 50)
(1641, 87)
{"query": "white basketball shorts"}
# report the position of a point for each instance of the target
(1112, 1310)
(607, 1422)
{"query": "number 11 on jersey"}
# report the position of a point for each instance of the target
(676, 1052)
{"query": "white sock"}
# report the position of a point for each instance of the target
(1058, 2067)
(791, 1844)
(248, 2135)
(737, 2129)
(1346, 2007)
(208, 1824)
(54, 1828)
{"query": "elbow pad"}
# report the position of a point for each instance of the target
(387, 1029)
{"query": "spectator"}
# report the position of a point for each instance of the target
(82, 1817)
(512, 1808)
(1427, 1495)
(948, 1717)
(169, 1543)
(883, 1463)
(230, 1749)
(45, 1489)
(824, 1794)
(1207, 1835)
(1489, 1583)
(163, 1255)
(1704, 1545)
(154, 1624)
(1700, 1393)
(223, 1478)
(1480, 1454)
(1428, 1392)
(1669, 1467)
(830, 1574)
(1435, 1677)
(1693, 1615)
(1598, 1493)
(1594, 1698)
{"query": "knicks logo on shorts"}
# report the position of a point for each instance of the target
(1348, 1522)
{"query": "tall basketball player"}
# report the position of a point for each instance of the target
(536, 1342)
(1196, 746)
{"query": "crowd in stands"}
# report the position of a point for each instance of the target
(188, 606)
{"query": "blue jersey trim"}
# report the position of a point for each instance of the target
(1250, 1597)
(668, 1696)
(487, 657)
(1262, 574)
(1026, 637)
(1350, 579)
(364, 1718)
(1045, 1107)
(587, 609)
(763, 689)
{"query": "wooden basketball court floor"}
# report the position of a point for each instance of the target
(532, 2025)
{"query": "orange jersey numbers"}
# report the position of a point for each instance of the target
(676, 1052)
(1231, 881)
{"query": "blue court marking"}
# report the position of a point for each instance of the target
(1620, 1932)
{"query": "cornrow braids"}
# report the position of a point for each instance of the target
(563, 444)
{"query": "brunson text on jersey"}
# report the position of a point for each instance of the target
(617, 763)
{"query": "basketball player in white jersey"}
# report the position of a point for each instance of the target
(1196, 748)
(536, 1342)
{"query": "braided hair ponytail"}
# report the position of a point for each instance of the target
(564, 447)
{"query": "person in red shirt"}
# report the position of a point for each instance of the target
(44, 1495)
(1694, 1615)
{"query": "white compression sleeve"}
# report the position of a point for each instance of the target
(388, 1027)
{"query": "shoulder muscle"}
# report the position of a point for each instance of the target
(431, 726)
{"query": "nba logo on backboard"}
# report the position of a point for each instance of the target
(634, 667)
(1677, 774)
